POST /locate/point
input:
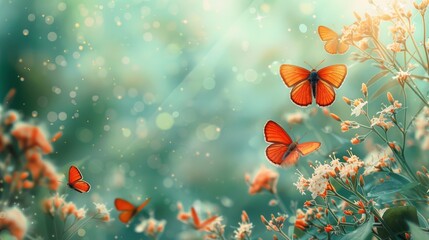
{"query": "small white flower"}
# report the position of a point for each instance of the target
(401, 76)
(101, 208)
(301, 184)
(358, 109)
(243, 231)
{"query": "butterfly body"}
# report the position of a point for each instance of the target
(282, 150)
(76, 181)
(313, 78)
(291, 148)
(317, 84)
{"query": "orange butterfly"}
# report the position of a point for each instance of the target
(76, 181)
(282, 150)
(333, 43)
(319, 84)
(128, 210)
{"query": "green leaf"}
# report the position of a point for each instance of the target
(377, 77)
(397, 219)
(298, 233)
(384, 88)
(363, 232)
(391, 183)
(417, 232)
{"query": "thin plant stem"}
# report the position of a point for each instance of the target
(281, 204)
(283, 234)
(424, 45)
(78, 226)
(407, 28)
(279, 231)
(404, 133)
(412, 120)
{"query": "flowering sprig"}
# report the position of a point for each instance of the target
(14, 220)
(244, 230)
(23, 147)
(276, 224)
(212, 225)
(24, 170)
(265, 179)
(395, 55)
(151, 227)
(67, 218)
(323, 214)
(382, 124)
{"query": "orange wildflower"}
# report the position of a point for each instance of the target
(15, 222)
(329, 228)
(30, 136)
(67, 209)
(265, 179)
(19, 181)
(11, 117)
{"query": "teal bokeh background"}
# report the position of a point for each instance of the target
(168, 99)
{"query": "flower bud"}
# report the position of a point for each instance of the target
(390, 98)
(364, 90)
(244, 217)
(355, 140)
(264, 221)
(329, 228)
(348, 101)
(335, 117)
(361, 181)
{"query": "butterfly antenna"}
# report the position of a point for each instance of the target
(308, 64)
(320, 63)
(301, 137)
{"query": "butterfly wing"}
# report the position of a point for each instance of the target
(195, 217)
(74, 175)
(275, 153)
(81, 186)
(126, 216)
(274, 133)
(293, 75)
(308, 147)
(75, 180)
(291, 158)
(301, 94)
(123, 205)
(128, 209)
(139, 208)
(334, 74)
(326, 33)
(342, 48)
(325, 94)
(204, 225)
(332, 44)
